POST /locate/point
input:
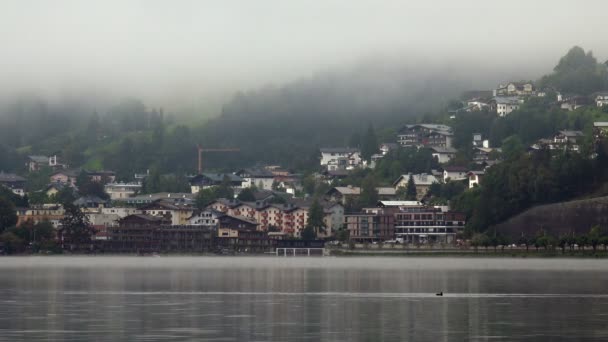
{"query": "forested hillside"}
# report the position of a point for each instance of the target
(284, 125)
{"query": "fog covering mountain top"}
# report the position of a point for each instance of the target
(192, 54)
(273, 124)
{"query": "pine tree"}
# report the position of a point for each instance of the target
(369, 145)
(369, 193)
(76, 228)
(410, 192)
(246, 195)
(315, 224)
(8, 217)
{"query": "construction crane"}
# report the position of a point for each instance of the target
(201, 150)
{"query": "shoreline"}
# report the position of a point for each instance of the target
(371, 253)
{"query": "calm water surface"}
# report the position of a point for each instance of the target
(302, 299)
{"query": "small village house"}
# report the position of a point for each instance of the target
(454, 173)
(13, 182)
(443, 154)
(122, 190)
(601, 99)
(208, 180)
(475, 178)
(505, 105)
(341, 158)
(261, 178)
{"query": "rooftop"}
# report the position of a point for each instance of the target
(419, 179)
(339, 150)
(456, 169)
(10, 178)
(398, 203)
(446, 150)
(39, 159)
(571, 133)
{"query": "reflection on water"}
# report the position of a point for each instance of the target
(304, 299)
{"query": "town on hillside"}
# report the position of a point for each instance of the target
(445, 181)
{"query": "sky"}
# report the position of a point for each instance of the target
(202, 50)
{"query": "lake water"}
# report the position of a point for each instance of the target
(302, 299)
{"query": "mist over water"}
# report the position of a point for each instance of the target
(308, 299)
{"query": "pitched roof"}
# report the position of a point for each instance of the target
(242, 218)
(386, 191)
(398, 203)
(149, 218)
(456, 169)
(67, 172)
(255, 173)
(216, 177)
(419, 179)
(568, 133)
(446, 150)
(339, 150)
(39, 159)
(506, 100)
(346, 190)
(10, 178)
(336, 173)
(438, 128)
(101, 173)
(355, 190)
(84, 200)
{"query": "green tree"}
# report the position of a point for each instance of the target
(410, 193)
(369, 193)
(12, 243)
(315, 223)
(76, 229)
(35, 235)
(246, 195)
(206, 196)
(479, 240)
(512, 147)
(582, 241)
(152, 183)
(224, 190)
(308, 234)
(64, 196)
(8, 216)
(594, 237)
(369, 144)
(91, 188)
(577, 72)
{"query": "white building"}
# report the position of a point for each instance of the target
(443, 154)
(455, 173)
(601, 99)
(120, 211)
(207, 217)
(344, 158)
(101, 219)
(13, 182)
(261, 178)
(505, 105)
(475, 178)
(122, 190)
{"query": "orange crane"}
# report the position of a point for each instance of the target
(201, 150)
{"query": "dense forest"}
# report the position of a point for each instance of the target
(279, 125)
